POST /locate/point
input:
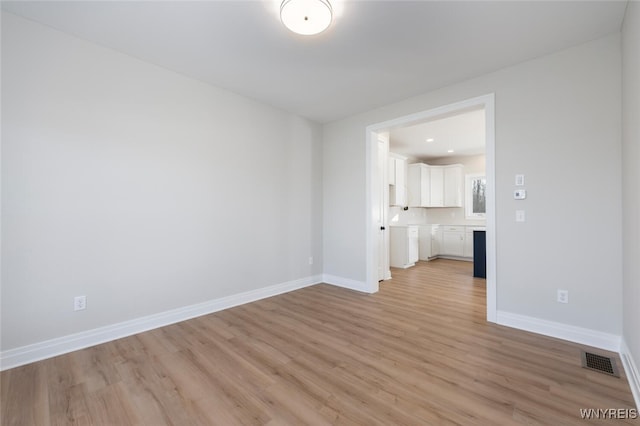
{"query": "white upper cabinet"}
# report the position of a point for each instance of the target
(418, 185)
(397, 180)
(453, 185)
(392, 171)
(435, 186)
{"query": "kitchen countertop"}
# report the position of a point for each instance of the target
(476, 227)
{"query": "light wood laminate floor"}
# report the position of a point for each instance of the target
(419, 352)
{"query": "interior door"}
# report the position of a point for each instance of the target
(381, 207)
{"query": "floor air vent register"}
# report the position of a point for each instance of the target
(600, 363)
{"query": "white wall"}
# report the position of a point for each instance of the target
(140, 188)
(631, 182)
(558, 122)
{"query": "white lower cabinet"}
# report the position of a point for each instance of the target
(468, 242)
(436, 240)
(457, 241)
(425, 243)
(453, 241)
(404, 246)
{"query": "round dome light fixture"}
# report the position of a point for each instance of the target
(306, 17)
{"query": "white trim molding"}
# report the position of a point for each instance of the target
(73, 342)
(585, 336)
(372, 131)
(348, 283)
(631, 371)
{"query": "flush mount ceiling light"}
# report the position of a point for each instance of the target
(306, 17)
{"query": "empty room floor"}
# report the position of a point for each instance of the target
(417, 352)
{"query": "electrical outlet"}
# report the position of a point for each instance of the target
(563, 296)
(79, 303)
(520, 216)
(310, 260)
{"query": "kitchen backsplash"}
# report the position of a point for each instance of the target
(413, 216)
(451, 216)
(423, 216)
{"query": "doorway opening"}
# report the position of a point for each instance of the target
(377, 216)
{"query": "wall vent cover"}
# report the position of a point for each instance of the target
(599, 363)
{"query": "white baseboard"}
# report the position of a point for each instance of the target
(346, 283)
(585, 336)
(446, 256)
(631, 371)
(406, 266)
(65, 344)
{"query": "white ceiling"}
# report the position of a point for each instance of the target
(464, 133)
(375, 52)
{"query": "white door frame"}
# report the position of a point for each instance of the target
(384, 271)
(372, 176)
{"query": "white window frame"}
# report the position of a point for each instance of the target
(468, 195)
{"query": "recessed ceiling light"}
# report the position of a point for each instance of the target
(450, 151)
(430, 140)
(306, 17)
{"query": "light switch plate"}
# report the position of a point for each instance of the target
(520, 217)
(563, 296)
(520, 194)
(519, 180)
